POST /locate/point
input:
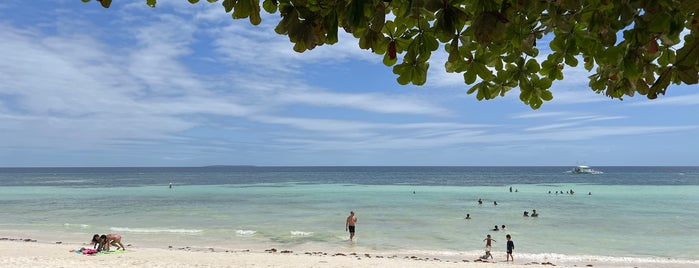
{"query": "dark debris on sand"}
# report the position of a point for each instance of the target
(18, 239)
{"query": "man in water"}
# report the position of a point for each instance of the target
(350, 223)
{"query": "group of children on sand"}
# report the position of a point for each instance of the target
(102, 242)
(510, 247)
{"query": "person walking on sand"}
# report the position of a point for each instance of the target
(488, 245)
(510, 247)
(350, 223)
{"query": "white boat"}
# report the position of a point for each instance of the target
(585, 170)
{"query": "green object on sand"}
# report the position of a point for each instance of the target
(112, 251)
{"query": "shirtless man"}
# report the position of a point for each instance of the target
(349, 225)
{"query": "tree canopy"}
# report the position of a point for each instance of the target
(634, 46)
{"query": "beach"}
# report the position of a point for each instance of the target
(26, 252)
(295, 217)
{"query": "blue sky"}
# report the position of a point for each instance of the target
(185, 85)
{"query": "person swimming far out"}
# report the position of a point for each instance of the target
(526, 214)
(534, 214)
(468, 217)
(495, 229)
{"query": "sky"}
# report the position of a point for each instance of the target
(186, 85)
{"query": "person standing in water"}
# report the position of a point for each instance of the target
(350, 224)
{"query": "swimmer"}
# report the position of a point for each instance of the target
(534, 214)
(496, 228)
(468, 217)
(526, 214)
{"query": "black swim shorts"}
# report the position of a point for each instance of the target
(351, 229)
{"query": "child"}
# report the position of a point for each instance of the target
(99, 242)
(488, 241)
(510, 247)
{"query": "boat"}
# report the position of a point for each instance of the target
(585, 170)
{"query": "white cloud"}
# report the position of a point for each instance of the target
(686, 100)
(180, 81)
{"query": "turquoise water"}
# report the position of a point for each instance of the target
(307, 209)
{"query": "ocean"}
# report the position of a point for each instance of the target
(644, 214)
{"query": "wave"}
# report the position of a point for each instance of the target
(84, 226)
(613, 259)
(155, 230)
(301, 233)
(562, 258)
(245, 232)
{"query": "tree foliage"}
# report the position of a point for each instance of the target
(634, 46)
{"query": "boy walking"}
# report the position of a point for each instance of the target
(510, 247)
(488, 243)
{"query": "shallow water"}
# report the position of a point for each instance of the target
(643, 214)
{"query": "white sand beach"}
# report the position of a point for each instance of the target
(30, 253)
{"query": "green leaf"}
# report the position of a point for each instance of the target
(405, 75)
(532, 66)
(661, 83)
(470, 76)
(688, 55)
(270, 6)
(150, 3)
(482, 71)
(388, 61)
(228, 5)
(660, 23)
(571, 60)
(688, 75)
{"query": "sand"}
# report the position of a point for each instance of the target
(18, 253)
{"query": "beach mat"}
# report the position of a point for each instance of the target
(111, 252)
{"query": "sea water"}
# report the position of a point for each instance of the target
(645, 213)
